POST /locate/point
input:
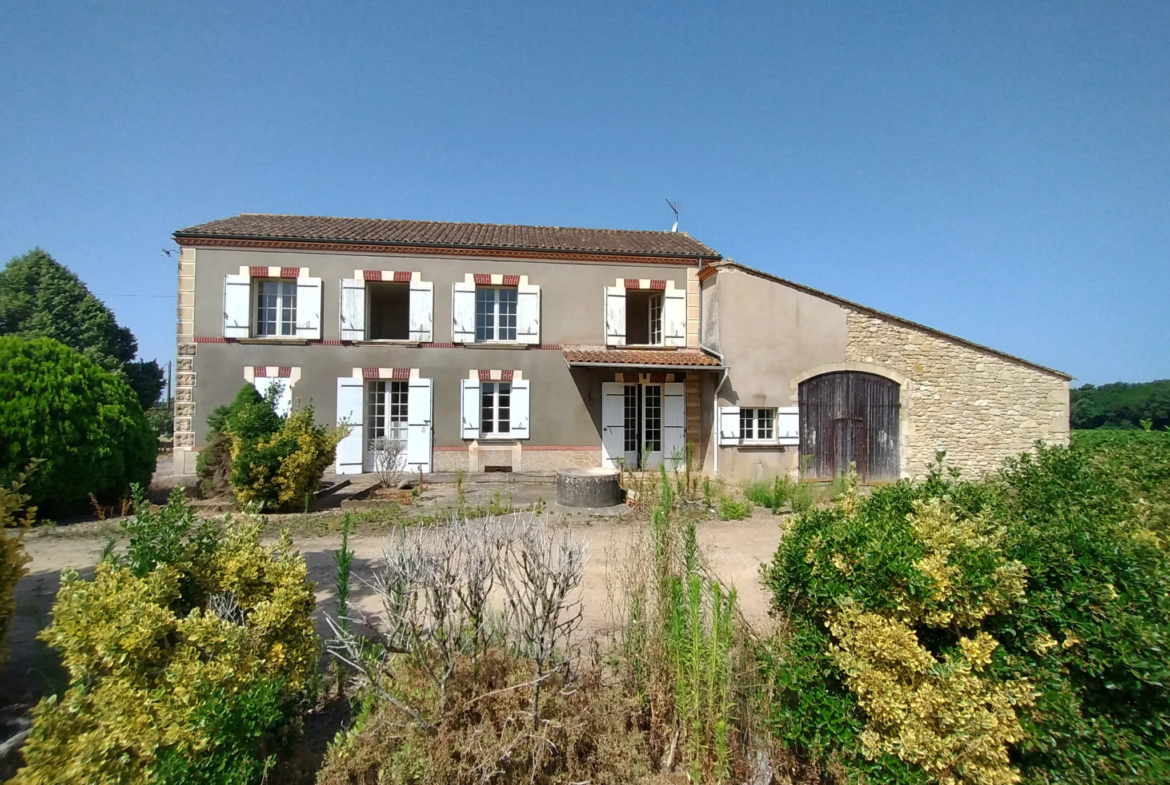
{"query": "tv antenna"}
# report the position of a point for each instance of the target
(674, 207)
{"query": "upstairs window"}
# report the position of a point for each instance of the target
(643, 318)
(388, 311)
(276, 308)
(495, 313)
(495, 409)
(756, 425)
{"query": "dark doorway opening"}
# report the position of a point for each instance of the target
(389, 311)
(849, 419)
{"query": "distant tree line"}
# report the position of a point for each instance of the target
(1121, 406)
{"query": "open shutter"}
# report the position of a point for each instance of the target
(788, 425)
(521, 408)
(729, 425)
(674, 426)
(528, 314)
(613, 424)
(418, 426)
(615, 316)
(469, 409)
(283, 387)
(237, 306)
(422, 311)
(353, 309)
(674, 317)
(349, 410)
(309, 308)
(463, 314)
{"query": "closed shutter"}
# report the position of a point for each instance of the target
(615, 316)
(613, 424)
(729, 425)
(422, 311)
(528, 314)
(788, 425)
(353, 310)
(418, 421)
(283, 392)
(469, 409)
(309, 308)
(237, 306)
(521, 409)
(674, 426)
(463, 313)
(674, 317)
(349, 410)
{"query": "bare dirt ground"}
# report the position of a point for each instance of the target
(734, 549)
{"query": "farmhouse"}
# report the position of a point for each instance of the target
(527, 349)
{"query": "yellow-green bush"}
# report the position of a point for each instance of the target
(987, 633)
(186, 658)
(15, 514)
(282, 470)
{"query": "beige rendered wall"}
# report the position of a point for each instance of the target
(767, 333)
(978, 406)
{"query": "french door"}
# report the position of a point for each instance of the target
(642, 421)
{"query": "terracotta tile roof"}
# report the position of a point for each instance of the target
(304, 228)
(598, 355)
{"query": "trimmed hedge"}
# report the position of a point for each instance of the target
(85, 423)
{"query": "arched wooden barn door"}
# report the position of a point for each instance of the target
(850, 418)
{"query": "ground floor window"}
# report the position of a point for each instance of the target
(757, 424)
(386, 410)
(496, 408)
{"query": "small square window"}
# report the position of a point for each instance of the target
(757, 425)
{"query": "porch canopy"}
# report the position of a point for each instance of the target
(657, 358)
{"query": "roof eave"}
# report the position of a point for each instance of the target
(573, 364)
(447, 246)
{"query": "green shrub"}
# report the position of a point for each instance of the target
(15, 516)
(279, 470)
(84, 422)
(214, 464)
(731, 510)
(187, 657)
(772, 494)
(978, 632)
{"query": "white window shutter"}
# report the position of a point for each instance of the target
(349, 410)
(309, 308)
(613, 423)
(463, 314)
(729, 425)
(674, 317)
(353, 309)
(237, 306)
(674, 426)
(615, 316)
(418, 422)
(788, 425)
(469, 409)
(521, 409)
(422, 311)
(528, 314)
(283, 387)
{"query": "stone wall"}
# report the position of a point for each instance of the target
(978, 406)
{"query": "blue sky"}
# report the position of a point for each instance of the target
(996, 170)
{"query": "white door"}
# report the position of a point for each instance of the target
(632, 420)
(613, 431)
(386, 417)
(674, 426)
(652, 440)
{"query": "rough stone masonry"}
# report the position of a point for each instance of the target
(976, 405)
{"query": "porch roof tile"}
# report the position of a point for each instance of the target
(600, 355)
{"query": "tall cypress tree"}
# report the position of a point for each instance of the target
(40, 298)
